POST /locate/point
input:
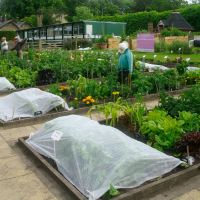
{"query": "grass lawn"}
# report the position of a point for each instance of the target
(194, 58)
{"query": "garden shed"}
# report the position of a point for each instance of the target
(81, 29)
(175, 20)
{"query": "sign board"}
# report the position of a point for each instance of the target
(145, 42)
(89, 30)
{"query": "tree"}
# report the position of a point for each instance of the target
(82, 12)
(196, 1)
(158, 5)
(24, 8)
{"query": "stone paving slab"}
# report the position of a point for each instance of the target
(27, 187)
(192, 195)
(15, 133)
(12, 167)
(5, 150)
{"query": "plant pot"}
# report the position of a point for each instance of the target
(101, 45)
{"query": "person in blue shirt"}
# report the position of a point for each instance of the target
(125, 63)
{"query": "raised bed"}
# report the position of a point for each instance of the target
(52, 115)
(42, 87)
(145, 191)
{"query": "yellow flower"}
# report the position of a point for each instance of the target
(92, 100)
(87, 102)
(115, 93)
(63, 87)
(84, 100)
(88, 97)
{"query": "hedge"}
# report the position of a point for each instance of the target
(8, 34)
(139, 21)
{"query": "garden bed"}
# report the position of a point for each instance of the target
(54, 114)
(144, 191)
(41, 118)
(42, 87)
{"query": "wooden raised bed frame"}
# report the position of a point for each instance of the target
(145, 191)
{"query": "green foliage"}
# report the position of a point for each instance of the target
(181, 68)
(54, 89)
(32, 20)
(191, 121)
(138, 21)
(135, 113)
(21, 78)
(111, 193)
(192, 77)
(161, 130)
(188, 101)
(110, 110)
(141, 83)
(8, 34)
(172, 32)
(82, 13)
(101, 40)
(161, 46)
(192, 15)
(180, 47)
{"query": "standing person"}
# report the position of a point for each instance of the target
(4, 45)
(125, 63)
(18, 45)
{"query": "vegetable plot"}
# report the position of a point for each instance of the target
(93, 156)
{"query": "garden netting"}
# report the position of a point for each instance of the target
(5, 84)
(152, 67)
(28, 103)
(92, 156)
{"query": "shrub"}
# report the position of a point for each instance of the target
(161, 46)
(188, 101)
(8, 34)
(172, 32)
(180, 47)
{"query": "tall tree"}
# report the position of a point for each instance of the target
(82, 12)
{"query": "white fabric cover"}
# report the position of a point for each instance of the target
(152, 67)
(5, 84)
(193, 68)
(92, 156)
(26, 102)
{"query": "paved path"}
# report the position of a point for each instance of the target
(22, 178)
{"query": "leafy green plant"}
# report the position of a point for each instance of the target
(188, 101)
(135, 112)
(180, 47)
(172, 32)
(22, 77)
(191, 121)
(111, 111)
(161, 46)
(192, 77)
(54, 89)
(161, 130)
(111, 193)
(182, 67)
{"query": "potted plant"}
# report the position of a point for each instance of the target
(101, 43)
